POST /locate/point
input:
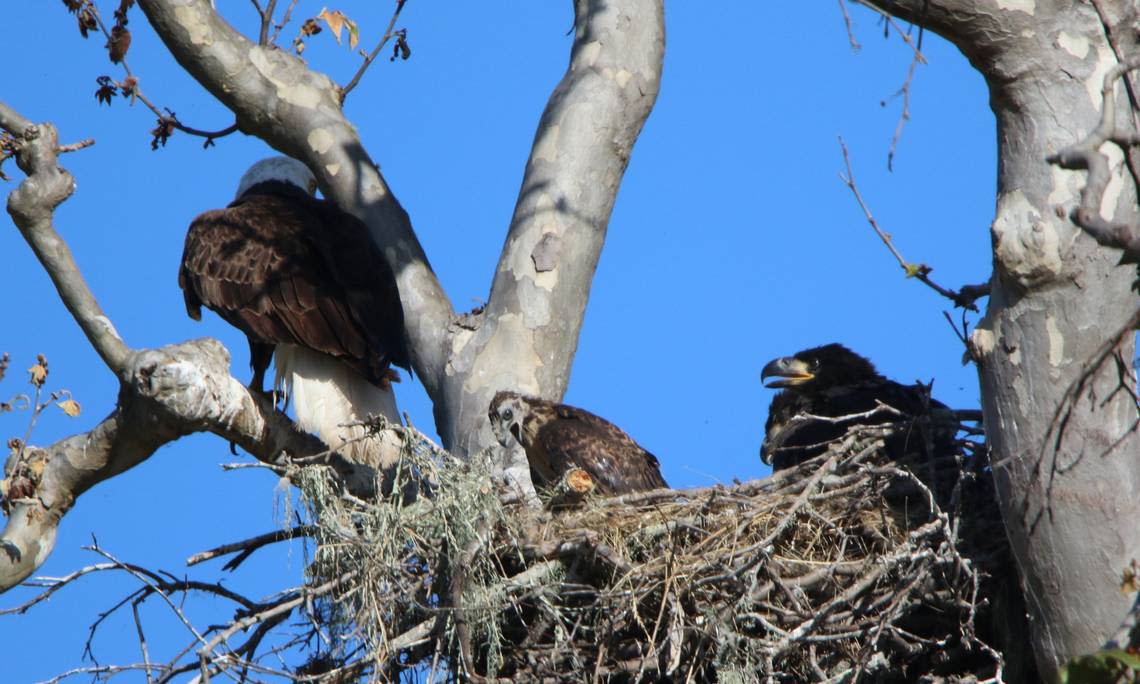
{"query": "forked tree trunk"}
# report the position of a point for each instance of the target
(1058, 394)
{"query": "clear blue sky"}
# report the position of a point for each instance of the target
(733, 241)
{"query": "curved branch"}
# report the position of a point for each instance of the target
(169, 392)
(1086, 154)
(32, 206)
(275, 96)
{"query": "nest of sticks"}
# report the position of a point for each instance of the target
(850, 567)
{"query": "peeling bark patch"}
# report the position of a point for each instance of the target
(44, 548)
(546, 147)
(1026, 246)
(1077, 46)
(333, 169)
(1116, 183)
(1027, 6)
(1105, 60)
(590, 53)
(320, 140)
(195, 26)
(510, 340)
(621, 76)
(546, 252)
(1066, 186)
(535, 304)
(106, 324)
(1056, 342)
(299, 94)
(982, 341)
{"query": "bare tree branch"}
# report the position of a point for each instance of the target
(129, 87)
(1086, 154)
(388, 33)
(172, 391)
(31, 206)
(965, 298)
(248, 546)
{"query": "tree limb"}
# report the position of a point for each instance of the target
(169, 393)
(31, 206)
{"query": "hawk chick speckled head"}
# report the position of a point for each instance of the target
(511, 414)
(506, 413)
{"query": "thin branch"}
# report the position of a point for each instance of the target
(266, 21)
(248, 546)
(130, 86)
(278, 608)
(284, 22)
(855, 46)
(1086, 155)
(388, 33)
(32, 207)
(919, 271)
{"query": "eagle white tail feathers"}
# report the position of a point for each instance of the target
(326, 395)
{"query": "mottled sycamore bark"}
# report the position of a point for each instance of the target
(1058, 390)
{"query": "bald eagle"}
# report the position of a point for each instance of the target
(304, 281)
(831, 382)
(558, 438)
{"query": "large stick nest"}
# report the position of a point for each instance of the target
(849, 567)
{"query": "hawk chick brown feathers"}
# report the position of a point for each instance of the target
(558, 438)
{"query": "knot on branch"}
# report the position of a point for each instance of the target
(47, 185)
(190, 379)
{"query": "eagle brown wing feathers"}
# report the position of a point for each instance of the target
(287, 268)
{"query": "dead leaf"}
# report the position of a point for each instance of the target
(39, 372)
(353, 33)
(119, 43)
(337, 21)
(70, 407)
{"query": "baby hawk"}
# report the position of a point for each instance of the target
(833, 381)
(558, 438)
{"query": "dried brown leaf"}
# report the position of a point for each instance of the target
(39, 372)
(70, 407)
(119, 44)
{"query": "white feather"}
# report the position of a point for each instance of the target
(326, 394)
(285, 169)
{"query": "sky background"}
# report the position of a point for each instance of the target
(733, 241)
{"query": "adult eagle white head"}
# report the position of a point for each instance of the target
(303, 280)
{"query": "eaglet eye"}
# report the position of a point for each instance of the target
(508, 414)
